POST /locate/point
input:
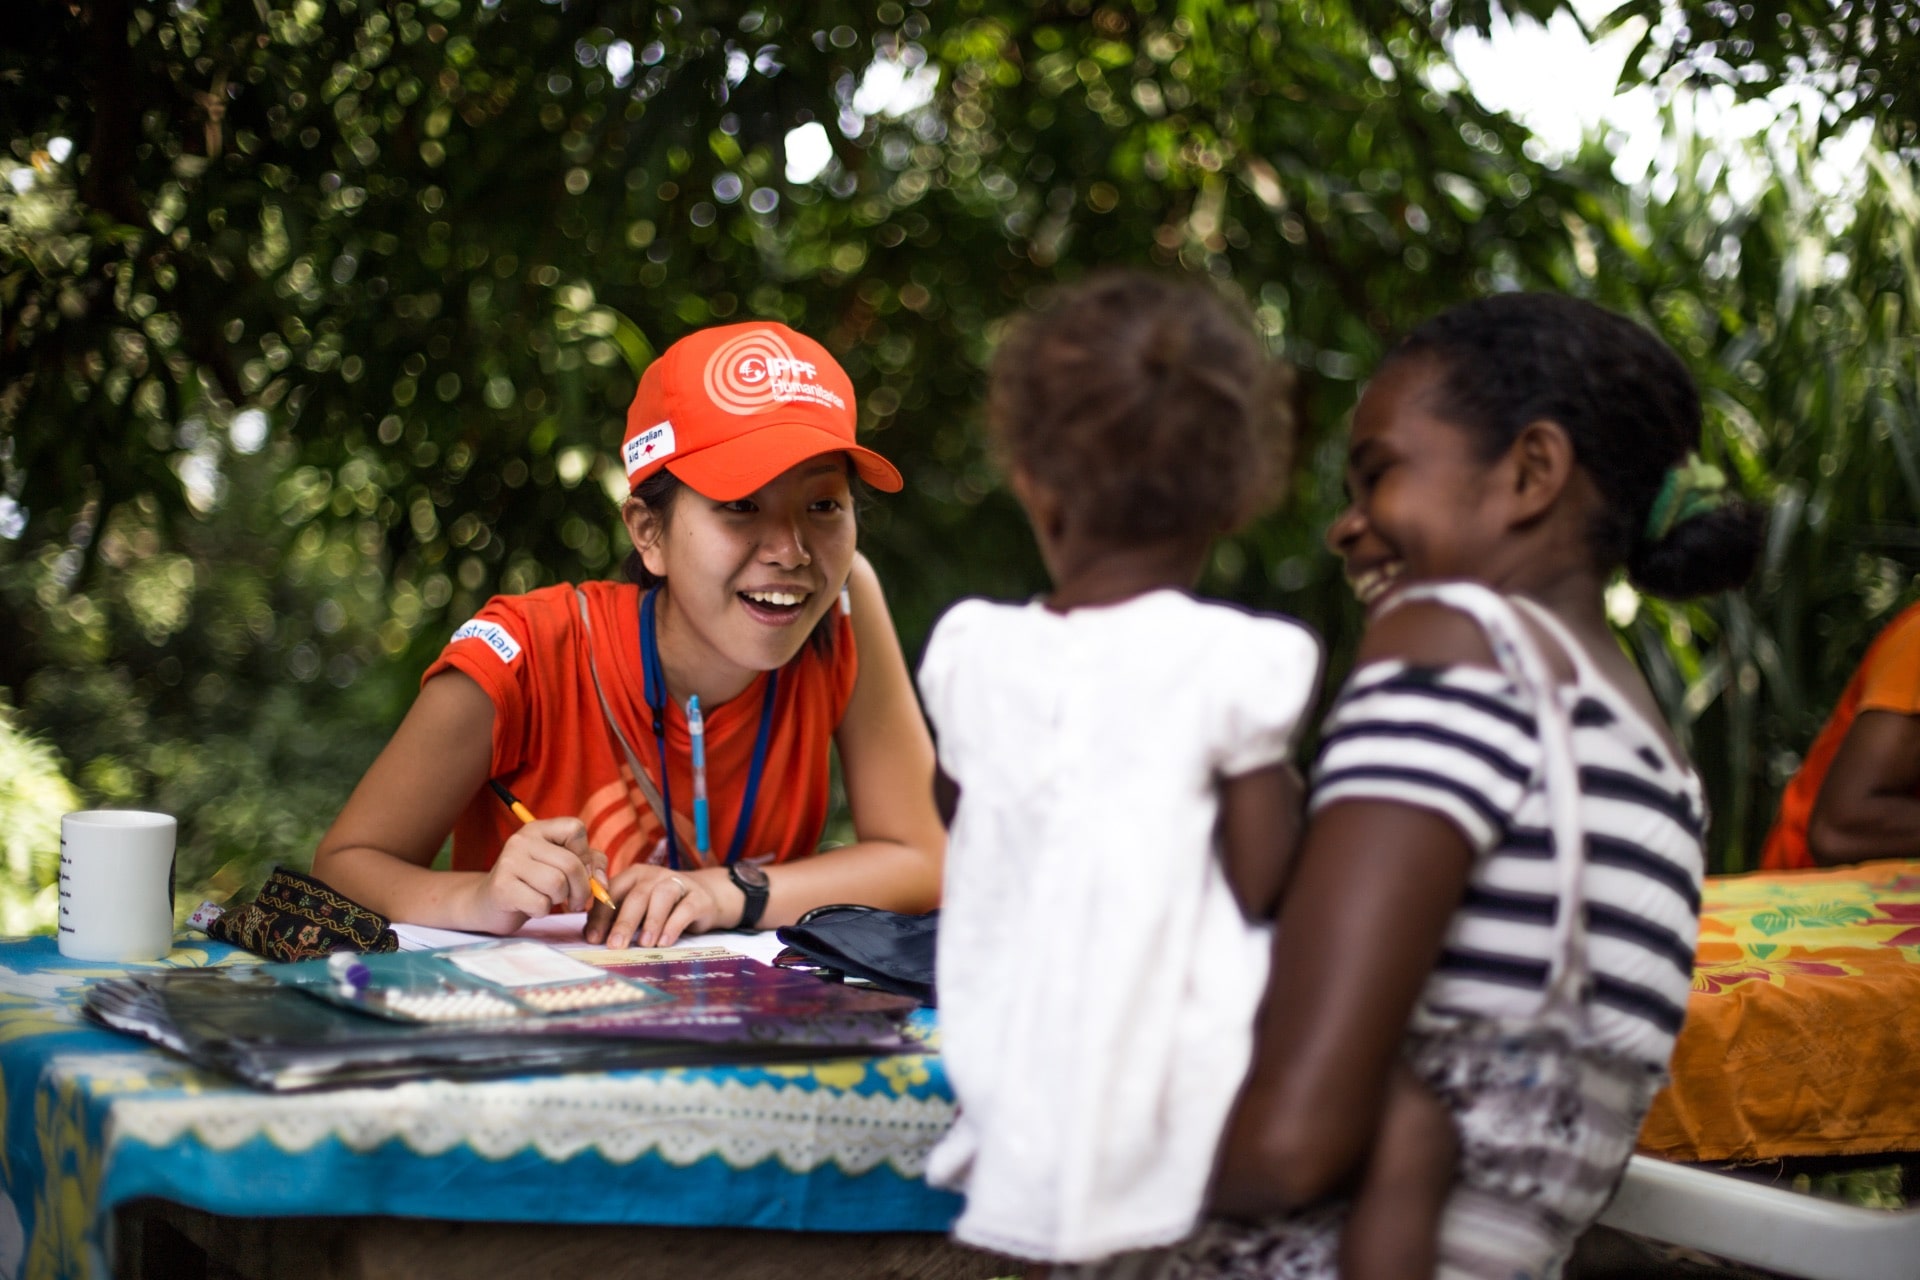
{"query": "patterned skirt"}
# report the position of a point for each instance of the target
(1545, 1132)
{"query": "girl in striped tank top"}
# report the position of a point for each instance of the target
(1498, 891)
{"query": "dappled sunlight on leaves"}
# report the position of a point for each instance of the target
(318, 332)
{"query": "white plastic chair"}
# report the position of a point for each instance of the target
(1765, 1226)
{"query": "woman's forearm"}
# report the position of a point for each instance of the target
(875, 873)
(1869, 804)
(379, 849)
(1359, 932)
(1872, 826)
(403, 891)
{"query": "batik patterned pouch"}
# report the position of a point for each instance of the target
(295, 917)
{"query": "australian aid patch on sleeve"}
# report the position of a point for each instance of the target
(491, 634)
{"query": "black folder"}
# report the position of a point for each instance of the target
(239, 1021)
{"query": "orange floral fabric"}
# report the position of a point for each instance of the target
(1803, 1031)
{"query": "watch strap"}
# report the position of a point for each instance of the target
(755, 894)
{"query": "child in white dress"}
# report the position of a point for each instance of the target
(1117, 760)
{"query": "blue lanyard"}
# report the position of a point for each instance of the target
(655, 680)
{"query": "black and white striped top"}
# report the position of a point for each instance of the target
(1463, 743)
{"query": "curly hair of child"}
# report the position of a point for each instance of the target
(1147, 403)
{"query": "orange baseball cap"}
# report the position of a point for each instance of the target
(729, 408)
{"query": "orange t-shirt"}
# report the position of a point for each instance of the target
(552, 747)
(1888, 679)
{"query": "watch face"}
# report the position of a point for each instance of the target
(748, 875)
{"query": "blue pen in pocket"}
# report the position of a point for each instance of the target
(697, 737)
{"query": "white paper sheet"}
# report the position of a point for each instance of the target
(523, 964)
(755, 946)
(563, 931)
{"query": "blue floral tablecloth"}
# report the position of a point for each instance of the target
(94, 1119)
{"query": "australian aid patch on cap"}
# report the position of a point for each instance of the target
(655, 444)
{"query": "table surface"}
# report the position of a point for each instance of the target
(1800, 1040)
(94, 1120)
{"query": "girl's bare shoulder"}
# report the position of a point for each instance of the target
(1426, 633)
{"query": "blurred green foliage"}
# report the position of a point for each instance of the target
(34, 796)
(319, 326)
(1874, 1188)
(1800, 315)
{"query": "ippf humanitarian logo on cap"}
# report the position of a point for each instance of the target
(758, 370)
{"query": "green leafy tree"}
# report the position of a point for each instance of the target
(1861, 59)
(318, 320)
(1799, 311)
(323, 328)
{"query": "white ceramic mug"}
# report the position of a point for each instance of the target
(116, 885)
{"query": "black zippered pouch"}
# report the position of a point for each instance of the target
(887, 949)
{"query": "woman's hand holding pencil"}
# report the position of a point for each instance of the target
(656, 905)
(544, 867)
(595, 882)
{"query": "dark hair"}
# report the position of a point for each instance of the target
(1624, 399)
(659, 492)
(662, 489)
(1145, 403)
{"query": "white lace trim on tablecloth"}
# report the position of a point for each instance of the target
(681, 1119)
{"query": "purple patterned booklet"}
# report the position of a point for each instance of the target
(733, 999)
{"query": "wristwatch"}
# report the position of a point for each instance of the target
(751, 879)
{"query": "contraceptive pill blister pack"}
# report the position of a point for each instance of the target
(487, 982)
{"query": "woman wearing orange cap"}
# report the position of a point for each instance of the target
(749, 597)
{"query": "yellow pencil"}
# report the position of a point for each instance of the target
(525, 814)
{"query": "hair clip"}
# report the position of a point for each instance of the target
(1690, 489)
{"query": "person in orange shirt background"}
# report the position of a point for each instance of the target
(748, 593)
(1856, 797)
